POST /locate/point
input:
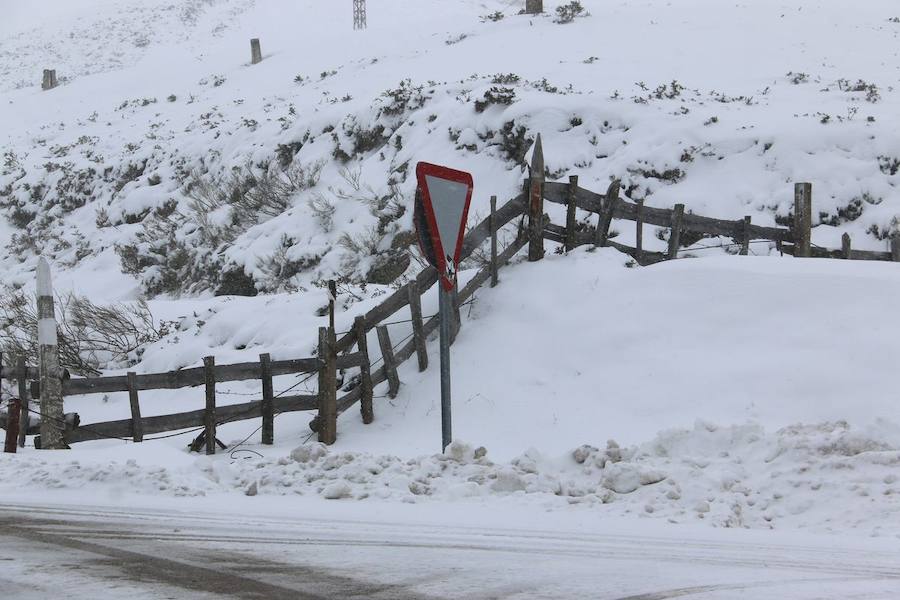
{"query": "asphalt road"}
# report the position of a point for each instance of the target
(153, 554)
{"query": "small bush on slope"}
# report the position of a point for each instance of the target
(91, 336)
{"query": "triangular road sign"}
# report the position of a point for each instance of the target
(445, 194)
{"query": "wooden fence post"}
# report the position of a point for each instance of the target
(137, 425)
(12, 425)
(327, 387)
(745, 241)
(255, 52)
(53, 426)
(803, 220)
(366, 408)
(895, 247)
(268, 398)
(536, 203)
(209, 417)
(418, 325)
(332, 298)
(606, 216)
(49, 81)
(639, 231)
(845, 246)
(22, 380)
(675, 237)
(390, 363)
(534, 7)
(571, 242)
(495, 268)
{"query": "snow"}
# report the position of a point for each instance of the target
(722, 391)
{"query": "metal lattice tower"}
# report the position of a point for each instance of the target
(359, 14)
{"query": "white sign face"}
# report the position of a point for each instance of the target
(448, 201)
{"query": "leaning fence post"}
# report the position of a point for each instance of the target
(803, 220)
(536, 203)
(495, 268)
(22, 380)
(53, 425)
(418, 326)
(209, 417)
(12, 425)
(137, 425)
(845, 246)
(266, 407)
(745, 241)
(362, 343)
(570, 213)
(255, 52)
(639, 231)
(390, 363)
(327, 387)
(606, 215)
(675, 237)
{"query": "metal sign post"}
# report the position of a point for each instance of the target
(442, 205)
(445, 303)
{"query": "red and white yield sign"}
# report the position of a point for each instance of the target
(442, 207)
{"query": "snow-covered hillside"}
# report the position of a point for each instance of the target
(166, 166)
(161, 124)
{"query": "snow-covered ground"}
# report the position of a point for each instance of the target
(733, 391)
(728, 391)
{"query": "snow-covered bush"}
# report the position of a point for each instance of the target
(567, 13)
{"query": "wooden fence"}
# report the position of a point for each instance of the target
(333, 354)
(337, 353)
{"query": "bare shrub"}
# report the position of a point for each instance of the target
(91, 336)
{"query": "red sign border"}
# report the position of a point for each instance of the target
(440, 172)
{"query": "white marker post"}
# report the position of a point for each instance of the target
(442, 206)
(52, 415)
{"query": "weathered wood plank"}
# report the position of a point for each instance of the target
(182, 378)
(570, 213)
(25, 419)
(802, 219)
(495, 268)
(639, 230)
(137, 426)
(675, 236)
(327, 387)
(11, 372)
(745, 238)
(267, 409)
(365, 388)
(209, 420)
(536, 203)
(660, 217)
(390, 363)
(606, 214)
(415, 310)
(189, 420)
